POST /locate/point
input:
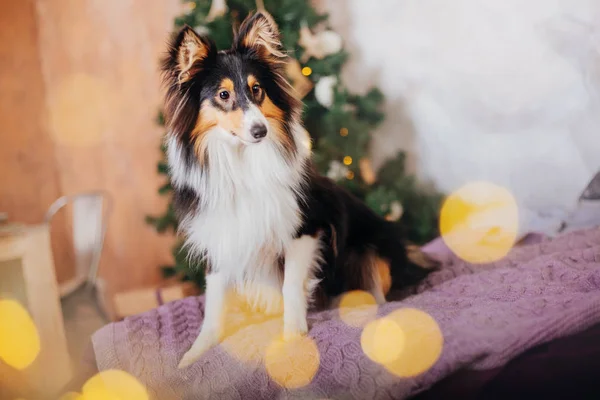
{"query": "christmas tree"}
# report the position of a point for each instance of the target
(339, 122)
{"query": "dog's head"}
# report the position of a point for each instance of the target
(238, 95)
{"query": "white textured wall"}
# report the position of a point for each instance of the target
(507, 91)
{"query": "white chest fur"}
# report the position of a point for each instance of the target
(249, 210)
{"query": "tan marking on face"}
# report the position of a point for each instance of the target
(227, 84)
(210, 117)
(275, 116)
(251, 81)
(207, 119)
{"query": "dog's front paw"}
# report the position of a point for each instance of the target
(203, 343)
(293, 330)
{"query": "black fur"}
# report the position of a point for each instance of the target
(351, 232)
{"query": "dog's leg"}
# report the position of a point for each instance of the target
(212, 327)
(301, 260)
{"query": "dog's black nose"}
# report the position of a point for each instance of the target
(258, 131)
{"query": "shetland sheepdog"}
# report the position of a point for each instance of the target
(248, 198)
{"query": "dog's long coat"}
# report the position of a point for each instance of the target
(248, 197)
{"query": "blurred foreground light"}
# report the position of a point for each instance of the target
(19, 338)
(72, 396)
(357, 308)
(406, 342)
(248, 332)
(479, 222)
(382, 340)
(306, 71)
(292, 363)
(113, 385)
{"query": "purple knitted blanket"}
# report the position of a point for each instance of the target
(487, 314)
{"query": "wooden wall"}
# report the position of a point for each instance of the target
(79, 95)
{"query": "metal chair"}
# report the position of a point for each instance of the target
(89, 217)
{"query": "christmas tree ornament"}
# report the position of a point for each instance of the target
(366, 171)
(202, 30)
(301, 84)
(189, 6)
(218, 8)
(347, 160)
(318, 45)
(396, 211)
(344, 132)
(337, 170)
(324, 90)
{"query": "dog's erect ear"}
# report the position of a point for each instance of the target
(259, 35)
(187, 54)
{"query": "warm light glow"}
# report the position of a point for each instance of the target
(357, 307)
(350, 175)
(249, 331)
(292, 363)
(344, 132)
(407, 342)
(19, 338)
(347, 160)
(72, 396)
(113, 384)
(382, 340)
(306, 71)
(479, 222)
(190, 5)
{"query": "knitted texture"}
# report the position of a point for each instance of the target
(488, 314)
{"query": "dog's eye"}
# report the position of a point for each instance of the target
(224, 94)
(256, 89)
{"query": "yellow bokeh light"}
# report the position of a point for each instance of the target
(249, 330)
(72, 396)
(357, 307)
(306, 71)
(19, 338)
(344, 132)
(114, 384)
(406, 342)
(292, 363)
(382, 340)
(479, 222)
(347, 160)
(350, 175)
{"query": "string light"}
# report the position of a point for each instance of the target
(347, 160)
(306, 71)
(344, 132)
(350, 175)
